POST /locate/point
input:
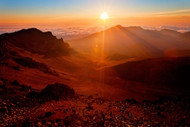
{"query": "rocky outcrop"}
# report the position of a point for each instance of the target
(36, 41)
(55, 92)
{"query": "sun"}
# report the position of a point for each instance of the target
(104, 16)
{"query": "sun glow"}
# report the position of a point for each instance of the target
(104, 16)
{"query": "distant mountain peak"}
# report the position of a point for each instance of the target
(119, 26)
(133, 41)
(125, 28)
(29, 30)
(34, 31)
(168, 30)
(134, 28)
(116, 27)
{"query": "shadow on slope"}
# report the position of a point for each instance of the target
(173, 71)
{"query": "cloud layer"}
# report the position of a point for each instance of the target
(75, 32)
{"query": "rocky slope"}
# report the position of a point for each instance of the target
(69, 109)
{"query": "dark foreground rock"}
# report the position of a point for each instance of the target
(55, 92)
(19, 101)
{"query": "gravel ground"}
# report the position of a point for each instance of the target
(18, 110)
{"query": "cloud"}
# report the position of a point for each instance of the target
(182, 11)
(175, 28)
(181, 29)
(66, 32)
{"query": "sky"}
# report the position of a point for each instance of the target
(87, 12)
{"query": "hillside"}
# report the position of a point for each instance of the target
(36, 41)
(44, 83)
(32, 57)
(160, 71)
(133, 42)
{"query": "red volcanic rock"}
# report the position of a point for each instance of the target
(56, 92)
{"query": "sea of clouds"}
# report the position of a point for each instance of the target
(65, 32)
(181, 29)
(76, 32)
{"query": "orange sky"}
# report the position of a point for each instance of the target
(134, 21)
(87, 12)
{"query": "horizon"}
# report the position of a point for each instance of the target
(69, 19)
(77, 32)
(87, 13)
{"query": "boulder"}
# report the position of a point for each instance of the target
(56, 92)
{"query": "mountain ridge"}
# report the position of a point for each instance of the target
(134, 41)
(36, 41)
